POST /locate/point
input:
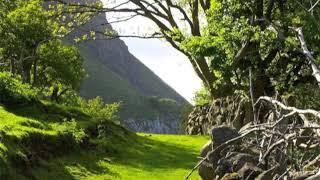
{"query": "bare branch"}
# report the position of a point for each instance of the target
(308, 54)
(314, 5)
(288, 108)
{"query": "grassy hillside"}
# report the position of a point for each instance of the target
(33, 133)
(101, 81)
(37, 143)
(45, 140)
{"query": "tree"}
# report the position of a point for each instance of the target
(31, 46)
(24, 28)
(60, 67)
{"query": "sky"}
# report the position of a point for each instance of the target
(168, 63)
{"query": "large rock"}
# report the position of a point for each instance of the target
(205, 149)
(249, 171)
(222, 134)
(219, 135)
(234, 162)
(206, 171)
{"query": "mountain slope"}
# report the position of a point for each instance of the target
(114, 54)
(117, 76)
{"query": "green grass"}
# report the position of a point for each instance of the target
(31, 133)
(148, 157)
(32, 147)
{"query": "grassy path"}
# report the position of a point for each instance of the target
(150, 157)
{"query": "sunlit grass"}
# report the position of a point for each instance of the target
(119, 155)
(152, 156)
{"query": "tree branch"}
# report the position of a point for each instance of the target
(308, 54)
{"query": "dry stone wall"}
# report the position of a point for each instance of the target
(234, 111)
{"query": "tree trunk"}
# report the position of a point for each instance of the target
(54, 94)
(34, 72)
(12, 67)
(206, 73)
(26, 72)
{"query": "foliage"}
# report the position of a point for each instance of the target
(303, 96)
(99, 110)
(71, 133)
(102, 113)
(202, 97)
(60, 66)
(31, 46)
(13, 92)
(243, 34)
(29, 23)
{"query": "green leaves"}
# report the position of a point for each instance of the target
(30, 41)
(237, 37)
(60, 64)
(29, 23)
(13, 92)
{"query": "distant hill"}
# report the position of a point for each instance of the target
(116, 75)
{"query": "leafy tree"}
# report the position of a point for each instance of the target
(25, 28)
(31, 46)
(60, 67)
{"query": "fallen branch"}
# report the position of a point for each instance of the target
(313, 162)
(315, 177)
(288, 108)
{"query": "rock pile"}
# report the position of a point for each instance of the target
(285, 145)
(238, 161)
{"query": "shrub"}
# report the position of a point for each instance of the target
(101, 112)
(13, 92)
(97, 109)
(71, 133)
(202, 97)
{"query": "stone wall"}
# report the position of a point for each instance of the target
(234, 111)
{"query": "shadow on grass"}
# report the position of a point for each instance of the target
(47, 111)
(73, 166)
(150, 154)
(145, 154)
